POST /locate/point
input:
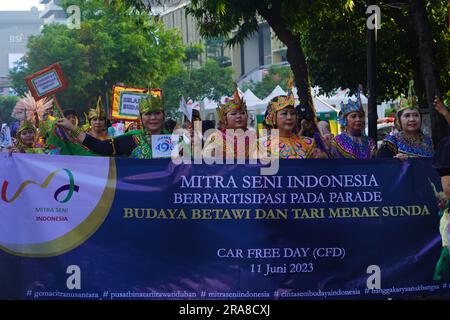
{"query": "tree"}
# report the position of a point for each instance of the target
(275, 76)
(215, 48)
(191, 54)
(334, 39)
(222, 18)
(427, 63)
(209, 81)
(7, 104)
(114, 45)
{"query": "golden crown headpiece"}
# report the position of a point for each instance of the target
(98, 111)
(279, 103)
(409, 102)
(236, 103)
(151, 103)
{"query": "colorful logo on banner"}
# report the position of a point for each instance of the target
(70, 187)
(61, 201)
(163, 144)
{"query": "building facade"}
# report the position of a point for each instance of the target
(15, 28)
(248, 60)
(52, 12)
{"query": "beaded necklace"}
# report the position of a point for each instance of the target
(413, 145)
(349, 147)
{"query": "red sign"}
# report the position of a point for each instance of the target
(46, 82)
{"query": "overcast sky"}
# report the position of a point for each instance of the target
(19, 5)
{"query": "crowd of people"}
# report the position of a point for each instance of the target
(287, 131)
(37, 131)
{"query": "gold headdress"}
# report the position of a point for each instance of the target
(236, 103)
(151, 103)
(98, 111)
(409, 102)
(279, 103)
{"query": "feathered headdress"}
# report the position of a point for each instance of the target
(351, 106)
(236, 103)
(279, 103)
(29, 111)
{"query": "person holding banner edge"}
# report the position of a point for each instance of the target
(281, 115)
(134, 144)
(30, 113)
(441, 162)
(233, 118)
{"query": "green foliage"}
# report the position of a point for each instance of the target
(333, 36)
(390, 112)
(7, 104)
(115, 44)
(220, 18)
(275, 76)
(210, 80)
(215, 50)
(334, 40)
(192, 52)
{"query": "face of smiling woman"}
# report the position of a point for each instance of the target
(153, 121)
(410, 121)
(98, 125)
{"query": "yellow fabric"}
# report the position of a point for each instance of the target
(294, 147)
(333, 127)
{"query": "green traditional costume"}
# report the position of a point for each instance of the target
(134, 144)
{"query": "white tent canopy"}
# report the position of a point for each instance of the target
(275, 92)
(250, 98)
(342, 95)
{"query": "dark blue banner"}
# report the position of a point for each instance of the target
(318, 229)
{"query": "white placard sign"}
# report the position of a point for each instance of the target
(163, 144)
(5, 137)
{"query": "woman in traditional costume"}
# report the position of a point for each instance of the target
(58, 141)
(282, 115)
(134, 144)
(233, 119)
(352, 142)
(409, 141)
(30, 112)
(441, 162)
(96, 124)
